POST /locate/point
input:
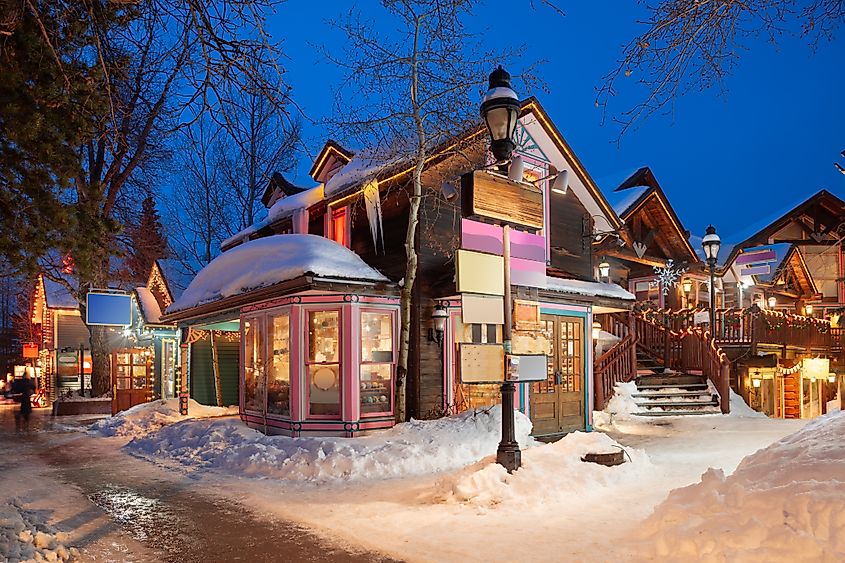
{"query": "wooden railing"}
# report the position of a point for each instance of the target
(617, 365)
(751, 326)
(700, 353)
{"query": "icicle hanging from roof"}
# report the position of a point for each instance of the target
(372, 202)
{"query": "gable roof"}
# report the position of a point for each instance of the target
(279, 183)
(790, 262)
(176, 276)
(760, 232)
(328, 157)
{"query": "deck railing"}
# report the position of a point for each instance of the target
(700, 353)
(617, 365)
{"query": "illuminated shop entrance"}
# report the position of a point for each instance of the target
(557, 404)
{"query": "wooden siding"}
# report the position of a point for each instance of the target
(202, 376)
(569, 229)
(71, 332)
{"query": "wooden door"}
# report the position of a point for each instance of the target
(131, 378)
(557, 404)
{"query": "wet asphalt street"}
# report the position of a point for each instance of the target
(150, 507)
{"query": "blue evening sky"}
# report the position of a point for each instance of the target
(769, 142)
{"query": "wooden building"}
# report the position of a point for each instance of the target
(318, 350)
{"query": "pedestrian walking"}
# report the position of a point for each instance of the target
(23, 389)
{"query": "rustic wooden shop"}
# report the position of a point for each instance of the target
(319, 354)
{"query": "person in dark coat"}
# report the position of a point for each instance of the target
(23, 389)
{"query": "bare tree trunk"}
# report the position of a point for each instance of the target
(100, 361)
(215, 369)
(401, 410)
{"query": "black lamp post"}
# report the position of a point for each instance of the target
(711, 243)
(500, 111)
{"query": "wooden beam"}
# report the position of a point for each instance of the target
(805, 242)
(631, 256)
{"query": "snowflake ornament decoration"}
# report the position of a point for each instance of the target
(668, 275)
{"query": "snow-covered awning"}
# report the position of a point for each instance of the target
(588, 289)
(271, 260)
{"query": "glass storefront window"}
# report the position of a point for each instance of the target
(278, 378)
(323, 363)
(376, 374)
(254, 376)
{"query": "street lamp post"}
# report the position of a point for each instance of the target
(711, 243)
(500, 111)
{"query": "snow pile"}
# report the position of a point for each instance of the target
(364, 167)
(412, 448)
(271, 260)
(489, 484)
(23, 537)
(783, 503)
(596, 289)
(150, 311)
(148, 417)
(741, 409)
(620, 407)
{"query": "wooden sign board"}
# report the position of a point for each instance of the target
(482, 309)
(526, 315)
(480, 273)
(494, 196)
(481, 363)
(757, 256)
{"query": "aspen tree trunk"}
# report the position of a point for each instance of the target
(406, 301)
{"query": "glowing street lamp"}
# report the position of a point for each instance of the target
(711, 243)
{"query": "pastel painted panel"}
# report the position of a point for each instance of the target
(755, 270)
(528, 246)
(754, 256)
(482, 309)
(481, 236)
(480, 273)
(528, 273)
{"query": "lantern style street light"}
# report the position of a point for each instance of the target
(772, 301)
(808, 310)
(500, 111)
(438, 318)
(711, 243)
(604, 269)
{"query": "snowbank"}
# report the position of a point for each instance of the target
(412, 448)
(270, 260)
(741, 409)
(489, 484)
(784, 503)
(23, 537)
(143, 419)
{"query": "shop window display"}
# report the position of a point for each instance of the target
(254, 376)
(323, 363)
(376, 362)
(278, 378)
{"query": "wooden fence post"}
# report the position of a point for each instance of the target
(725, 388)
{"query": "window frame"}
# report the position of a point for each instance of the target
(306, 362)
(393, 312)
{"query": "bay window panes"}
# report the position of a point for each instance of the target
(254, 376)
(376, 388)
(278, 378)
(376, 375)
(324, 363)
(324, 389)
(323, 337)
(376, 337)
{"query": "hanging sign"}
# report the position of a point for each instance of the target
(494, 196)
(757, 256)
(525, 368)
(479, 273)
(30, 350)
(754, 269)
(481, 363)
(108, 309)
(482, 309)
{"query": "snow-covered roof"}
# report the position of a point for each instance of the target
(622, 200)
(587, 288)
(150, 311)
(58, 296)
(270, 260)
(176, 276)
(279, 210)
(361, 169)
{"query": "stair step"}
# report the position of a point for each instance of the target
(705, 403)
(686, 386)
(672, 394)
(676, 413)
(671, 379)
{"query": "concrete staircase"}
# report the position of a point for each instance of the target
(675, 394)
